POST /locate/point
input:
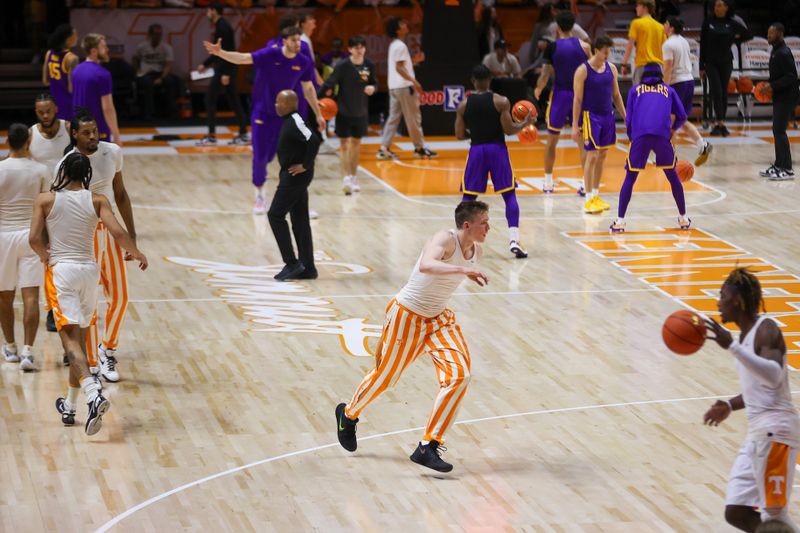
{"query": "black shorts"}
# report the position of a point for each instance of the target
(351, 126)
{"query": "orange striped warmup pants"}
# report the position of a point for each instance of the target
(114, 278)
(405, 336)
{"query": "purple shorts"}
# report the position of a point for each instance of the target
(264, 134)
(685, 90)
(485, 159)
(642, 146)
(559, 109)
(599, 130)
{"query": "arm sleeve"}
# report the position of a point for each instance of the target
(312, 147)
(260, 57)
(677, 109)
(633, 30)
(629, 113)
(308, 72)
(788, 72)
(548, 53)
(118, 159)
(105, 84)
(768, 372)
(742, 33)
(666, 51)
(703, 44)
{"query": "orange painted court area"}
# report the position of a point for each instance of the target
(443, 175)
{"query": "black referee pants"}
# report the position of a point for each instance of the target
(291, 197)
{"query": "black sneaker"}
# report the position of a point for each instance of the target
(307, 274)
(67, 417)
(290, 272)
(385, 154)
(723, 130)
(346, 429)
(97, 409)
(425, 153)
(716, 131)
(430, 455)
(51, 322)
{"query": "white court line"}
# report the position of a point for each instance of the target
(120, 517)
(398, 193)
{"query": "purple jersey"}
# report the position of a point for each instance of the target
(90, 82)
(598, 90)
(275, 73)
(302, 105)
(649, 110)
(59, 82)
(566, 55)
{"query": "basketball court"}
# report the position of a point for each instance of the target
(577, 419)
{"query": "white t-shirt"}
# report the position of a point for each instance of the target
(106, 162)
(153, 59)
(21, 181)
(676, 48)
(398, 53)
(307, 40)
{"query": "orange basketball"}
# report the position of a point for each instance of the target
(328, 108)
(529, 134)
(731, 86)
(685, 170)
(520, 110)
(684, 332)
(763, 92)
(744, 85)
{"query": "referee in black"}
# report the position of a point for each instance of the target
(297, 149)
(785, 93)
(224, 79)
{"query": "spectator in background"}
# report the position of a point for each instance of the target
(719, 32)
(577, 31)
(336, 54)
(538, 42)
(648, 36)
(489, 31)
(57, 69)
(153, 64)
(308, 24)
(92, 88)
(224, 78)
(500, 63)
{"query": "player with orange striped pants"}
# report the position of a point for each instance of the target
(417, 321)
(106, 160)
(763, 472)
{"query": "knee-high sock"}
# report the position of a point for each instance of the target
(626, 192)
(512, 208)
(677, 189)
(468, 197)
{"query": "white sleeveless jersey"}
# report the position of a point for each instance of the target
(768, 410)
(49, 151)
(71, 224)
(106, 162)
(427, 294)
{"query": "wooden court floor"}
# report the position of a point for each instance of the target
(577, 419)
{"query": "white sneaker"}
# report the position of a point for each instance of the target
(354, 183)
(347, 185)
(313, 215)
(10, 357)
(684, 222)
(108, 363)
(260, 207)
(27, 363)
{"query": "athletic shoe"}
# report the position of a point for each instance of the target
(600, 203)
(108, 363)
(516, 248)
(10, 357)
(65, 360)
(208, 140)
(581, 192)
(97, 408)
(385, 154)
(430, 455)
(549, 189)
(425, 153)
(260, 206)
(51, 322)
(346, 429)
(618, 226)
(723, 130)
(354, 183)
(591, 206)
(306, 274)
(704, 153)
(347, 185)
(781, 174)
(684, 222)
(27, 363)
(716, 131)
(771, 170)
(67, 417)
(290, 272)
(241, 140)
(313, 215)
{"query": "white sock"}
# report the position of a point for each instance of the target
(259, 192)
(27, 350)
(588, 193)
(424, 442)
(595, 193)
(548, 179)
(72, 398)
(90, 388)
(620, 220)
(513, 234)
(11, 347)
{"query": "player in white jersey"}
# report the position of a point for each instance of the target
(106, 159)
(49, 139)
(418, 321)
(21, 181)
(69, 213)
(763, 471)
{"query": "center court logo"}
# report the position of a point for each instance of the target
(286, 307)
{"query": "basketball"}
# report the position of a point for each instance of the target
(685, 170)
(684, 332)
(763, 92)
(328, 108)
(744, 85)
(528, 135)
(520, 110)
(731, 86)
